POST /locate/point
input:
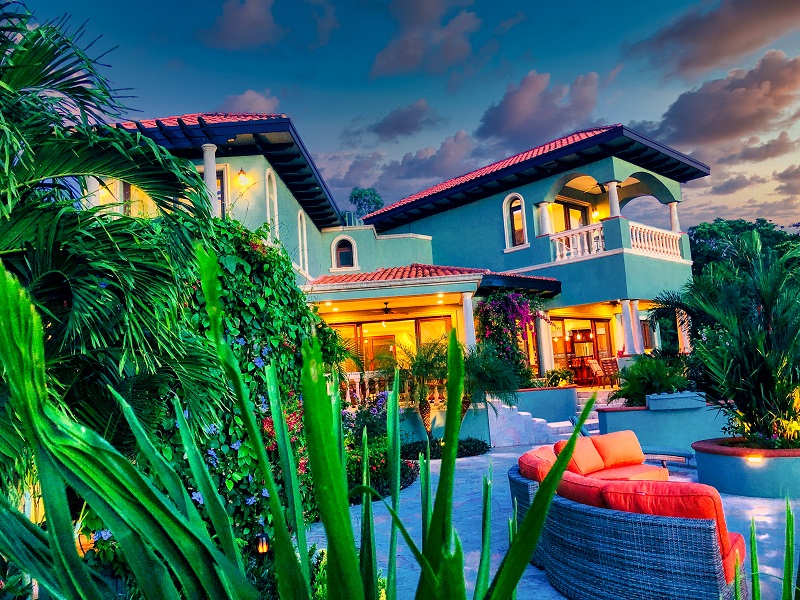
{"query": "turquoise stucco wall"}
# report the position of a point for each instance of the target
(377, 251)
(475, 424)
(774, 477)
(550, 404)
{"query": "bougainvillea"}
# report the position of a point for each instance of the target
(503, 318)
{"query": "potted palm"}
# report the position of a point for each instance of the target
(747, 348)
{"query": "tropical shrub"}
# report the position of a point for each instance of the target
(650, 375)
(487, 373)
(557, 378)
(370, 415)
(378, 465)
(467, 447)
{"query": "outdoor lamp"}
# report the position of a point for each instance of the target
(261, 543)
(242, 178)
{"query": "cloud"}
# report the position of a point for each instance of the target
(243, 25)
(402, 121)
(736, 183)
(250, 102)
(504, 26)
(790, 180)
(534, 111)
(427, 41)
(707, 38)
(755, 152)
(427, 166)
(326, 21)
(744, 103)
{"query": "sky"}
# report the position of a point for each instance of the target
(402, 94)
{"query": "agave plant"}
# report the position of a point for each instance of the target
(171, 551)
(749, 348)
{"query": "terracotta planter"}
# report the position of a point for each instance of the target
(733, 468)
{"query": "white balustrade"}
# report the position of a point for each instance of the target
(575, 243)
(655, 241)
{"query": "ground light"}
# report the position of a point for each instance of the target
(261, 543)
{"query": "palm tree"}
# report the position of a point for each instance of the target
(747, 337)
(110, 289)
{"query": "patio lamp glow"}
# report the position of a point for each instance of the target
(261, 543)
(242, 178)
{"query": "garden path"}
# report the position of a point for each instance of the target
(769, 516)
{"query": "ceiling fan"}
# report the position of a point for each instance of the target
(385, 311)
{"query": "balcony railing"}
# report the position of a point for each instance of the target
(361, 386)
(577, 243)
(655, 241)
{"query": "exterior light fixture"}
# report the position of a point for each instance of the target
(578, 337)
(595, 214)
(335, 309)
(440, 302)
(261, 543)
(242, 178)
(440, 295)
(328, 303)
(755, 459)
(383, 324)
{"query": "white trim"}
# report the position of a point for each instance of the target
(599, 255)
(507, 217)
(334, 243)
(305, 274)
(225, 168)
(388, 236)
(515, 248)
(413, 282)
(302, 239)
(271, 198)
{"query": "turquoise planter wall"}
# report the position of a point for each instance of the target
(550, 404)
(665, 429)
(777, 477)
(475, 424)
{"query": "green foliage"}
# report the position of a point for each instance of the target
(650, 375)
(487, 373)
(379, 469)
(558, 378)
(372, 415)
(417, 364)
(714, 242)
(366, 200)
(467, 447)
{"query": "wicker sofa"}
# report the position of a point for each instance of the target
(618, 547)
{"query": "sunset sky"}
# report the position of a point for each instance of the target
(402, 94)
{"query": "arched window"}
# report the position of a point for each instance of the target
(514, 221)
(302, 240)
(344, 254)
(272, 205)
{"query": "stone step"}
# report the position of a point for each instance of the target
(567, 427)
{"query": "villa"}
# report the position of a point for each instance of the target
(546, 220)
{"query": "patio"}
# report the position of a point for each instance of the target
(769, 516)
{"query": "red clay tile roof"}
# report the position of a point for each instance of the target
(412, 271)
(192, 119)
(498, 166)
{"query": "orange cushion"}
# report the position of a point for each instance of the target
(619, 449)
(633, 473)
(535, 464)
(729, 560)
(670, 499)
(582, 489)
(585, 459)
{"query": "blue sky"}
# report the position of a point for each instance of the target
(401, 94)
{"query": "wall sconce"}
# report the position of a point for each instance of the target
(242, 178)
(261, 543)
(595, 214)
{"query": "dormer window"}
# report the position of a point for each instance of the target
(344, 254)
(514, 221)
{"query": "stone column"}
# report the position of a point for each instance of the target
(210, 176)
(469, 318)
(92, 191)
(544, 345)
(684, 342)
(613, 199)
(673, 217)
(545, 224)
(627, 329)
(636, 325)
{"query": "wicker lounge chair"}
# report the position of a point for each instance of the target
(598, 553)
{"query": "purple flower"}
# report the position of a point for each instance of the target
(250, 501)
(258, 361)
(186, 413)
(213, 459)
(103, 284)
(240, 341)
(249, 478)
(264, 492)
(265, 351)
(260, 521)
(197, 497)
(236, 445)
(212, 430)
(103, 534)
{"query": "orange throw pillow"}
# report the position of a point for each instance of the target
(582, 489)
(672, 499)
(585, 459)
(619, 449)
(535, 464)
(633, 473)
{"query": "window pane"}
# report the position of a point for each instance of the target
(433, 329)
(515, 214)
(559, 220)
(344, 254)
(577, 217)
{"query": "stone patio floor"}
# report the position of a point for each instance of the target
(769, 515)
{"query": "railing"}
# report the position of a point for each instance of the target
(655, 241)
(362, 386)
(575, 243)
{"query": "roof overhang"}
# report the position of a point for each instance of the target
(620, 142)
(492, 282)
(274, 137)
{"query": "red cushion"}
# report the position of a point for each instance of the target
(729, 560)
(535, 464)
(671, 499)
(582, 489)
(585, 459)
(619, 449)
(633, 473)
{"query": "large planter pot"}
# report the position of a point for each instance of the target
(732, 468)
